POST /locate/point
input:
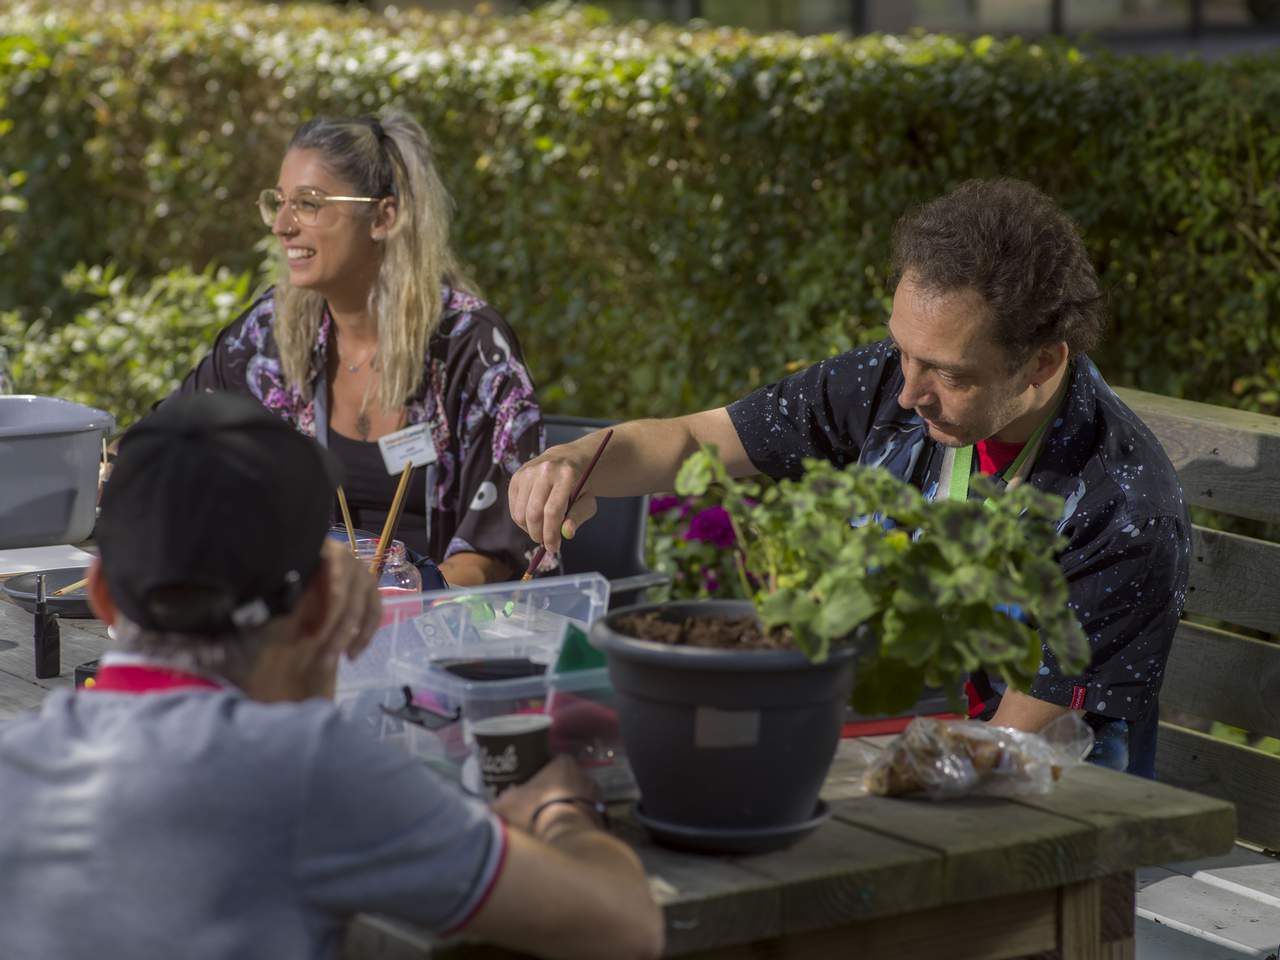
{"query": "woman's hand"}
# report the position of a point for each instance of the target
(354, 607)
(538, 496)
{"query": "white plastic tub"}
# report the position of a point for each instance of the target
(49, 455)
(502, 623)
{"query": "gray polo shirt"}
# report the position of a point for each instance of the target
(200, 824)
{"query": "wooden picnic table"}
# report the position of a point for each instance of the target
(905, 878)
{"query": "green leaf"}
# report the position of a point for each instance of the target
(887, 686)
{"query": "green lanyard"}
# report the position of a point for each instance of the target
(962, 462)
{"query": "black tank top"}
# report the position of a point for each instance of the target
(370, 490)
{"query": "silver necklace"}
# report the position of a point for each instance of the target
(354, 367)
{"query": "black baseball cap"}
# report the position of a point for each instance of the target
(214, 516)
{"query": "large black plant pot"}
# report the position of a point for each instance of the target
(729, 748)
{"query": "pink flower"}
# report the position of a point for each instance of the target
(712, 526)
(659, 505)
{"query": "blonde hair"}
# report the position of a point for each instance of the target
(387, 156)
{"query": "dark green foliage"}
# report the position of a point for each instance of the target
(128, 344)
(668, 218)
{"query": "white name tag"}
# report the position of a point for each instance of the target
(411, 445)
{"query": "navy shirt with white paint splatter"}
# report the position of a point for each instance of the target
(1128, 531)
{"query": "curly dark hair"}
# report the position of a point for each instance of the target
(1015, 247)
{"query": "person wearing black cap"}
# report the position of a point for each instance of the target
(206, 801)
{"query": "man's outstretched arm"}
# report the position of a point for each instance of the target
(642, 457)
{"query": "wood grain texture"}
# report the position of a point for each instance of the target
(1223, 676)
(81, 640)
(1116, 904)
(1117, 907)
(991, 847)
(1233, 579)
(18, 695)
(819, 888)
(1009, 927)
(1248, 778)
(1080, 921)
(707, 901)
(1124, 836)
(1228, 460)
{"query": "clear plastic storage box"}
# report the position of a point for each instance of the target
(444, 659)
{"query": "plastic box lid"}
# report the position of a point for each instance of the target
(499, 620)
(493, 630)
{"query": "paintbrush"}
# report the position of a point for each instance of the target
(573, 497)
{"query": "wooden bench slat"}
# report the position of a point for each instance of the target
(1228, 460)
(1036, 849)
(1236, 924)
(1015, 926)
(1233, 579)
(1223, 676)
(1123, 837)
(17, 662)
(892, 872)
(1248, 778)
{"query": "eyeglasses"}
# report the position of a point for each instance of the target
(305, 205)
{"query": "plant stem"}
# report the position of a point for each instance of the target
(739, 545)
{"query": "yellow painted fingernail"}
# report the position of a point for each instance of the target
(566, 531)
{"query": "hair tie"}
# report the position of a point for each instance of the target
(378, 132)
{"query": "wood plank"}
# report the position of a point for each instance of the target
(18, 696)
(707, 901)
(1209, 913)
(1080, 921)
(1005, 928)
(1157, 942)
(991, 847)
(1117, 907)
(1233, 579)
(1243, 871)
(1116, 808)
(1223, 676)
(820, 887)
(1248, 778)
(1228, 460)
(1116, 917)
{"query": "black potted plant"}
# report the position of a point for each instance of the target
(731, 710)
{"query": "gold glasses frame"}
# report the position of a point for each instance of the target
(272, 200)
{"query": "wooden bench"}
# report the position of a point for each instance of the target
(1224, 667)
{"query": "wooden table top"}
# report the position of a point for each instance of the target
(875, 857)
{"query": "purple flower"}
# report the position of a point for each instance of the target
(711, 526)
(659, 505)
(710, 580)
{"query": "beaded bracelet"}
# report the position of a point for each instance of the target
(595, 806)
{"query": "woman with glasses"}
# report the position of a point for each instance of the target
(373, 327)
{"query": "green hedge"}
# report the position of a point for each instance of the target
(667, 217)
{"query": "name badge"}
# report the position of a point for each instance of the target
(411, 445)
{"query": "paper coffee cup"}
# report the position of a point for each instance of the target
(511, 748)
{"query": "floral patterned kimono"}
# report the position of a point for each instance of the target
(476, 397)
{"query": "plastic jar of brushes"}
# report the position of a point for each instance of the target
(397, 577)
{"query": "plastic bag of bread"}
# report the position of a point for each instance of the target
(951, 758)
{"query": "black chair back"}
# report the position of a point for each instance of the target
(611, 542)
